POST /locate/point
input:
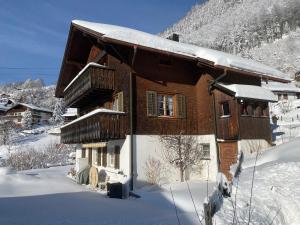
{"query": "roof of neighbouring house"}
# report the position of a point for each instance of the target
(281, 87)
(71, 112)
(150, 41)
(32, 107)
(249, 92)
(4, 108)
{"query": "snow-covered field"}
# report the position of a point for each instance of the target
(47, 196)
(276, 190)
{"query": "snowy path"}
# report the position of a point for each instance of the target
(48, 197)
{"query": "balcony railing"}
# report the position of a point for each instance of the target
(92, 78)
(97, 127)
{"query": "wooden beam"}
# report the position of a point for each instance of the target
(75, 63)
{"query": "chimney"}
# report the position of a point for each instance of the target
(174, 37)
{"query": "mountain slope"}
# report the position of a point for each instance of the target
(250, 28)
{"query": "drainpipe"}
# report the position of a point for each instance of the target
(131, 147)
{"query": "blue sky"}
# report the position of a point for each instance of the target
(33, 33)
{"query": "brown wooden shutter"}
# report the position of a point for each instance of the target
(180, 106)
(151, 103)
(120, 102)
(99, 157)
(117, 157)
(104, 157)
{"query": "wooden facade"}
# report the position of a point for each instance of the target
(134, 72)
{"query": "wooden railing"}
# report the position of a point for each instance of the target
(255, 128)
(93, 78)
(96, 128)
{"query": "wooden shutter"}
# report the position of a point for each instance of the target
(120, 102)
(180, 106)
(104, 157)
(117, 157)
(151, 103)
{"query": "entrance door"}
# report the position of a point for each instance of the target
(228, 156)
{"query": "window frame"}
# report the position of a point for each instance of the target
(166, 103)
(222, 112)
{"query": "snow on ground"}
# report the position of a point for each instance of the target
(276, 192)
(37, 138)
(47, 196)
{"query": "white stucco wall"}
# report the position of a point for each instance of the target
(252, 145)
(147, 146)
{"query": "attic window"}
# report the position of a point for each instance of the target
(165, 62)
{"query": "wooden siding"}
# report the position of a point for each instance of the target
(93, 79)
(97, 128)
(228, 156)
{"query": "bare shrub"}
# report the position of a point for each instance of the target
(154, 170)
(29, 158)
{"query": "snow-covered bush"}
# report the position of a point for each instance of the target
(29, 158)
(154, 170)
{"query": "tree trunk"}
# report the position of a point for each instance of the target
(181, 172)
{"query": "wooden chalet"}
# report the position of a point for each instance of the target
(130, 87)
(39, 115)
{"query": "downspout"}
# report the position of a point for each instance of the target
(131, 147)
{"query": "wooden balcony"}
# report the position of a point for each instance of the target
(91, 80)
(98, 127)
(255, 128)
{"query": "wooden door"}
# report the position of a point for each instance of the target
(228, 156)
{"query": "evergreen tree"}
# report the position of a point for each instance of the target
(27, 119)
(58, 111)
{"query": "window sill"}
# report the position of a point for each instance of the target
(225, 116)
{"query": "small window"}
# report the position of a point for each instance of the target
(279, 96)
(225, 109)
(285, 96)
(298, 95)
(117, 157)
(118, 102)
(111, 159)
(205, 151)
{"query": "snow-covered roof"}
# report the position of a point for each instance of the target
(81, 72)
(33, 107)
(3, 107)
(71, 112)
(94, 112)
(151, 41)
(249, 92)
(276, 86)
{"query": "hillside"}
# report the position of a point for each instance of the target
(265, 30)
(31, 92)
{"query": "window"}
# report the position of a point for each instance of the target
(279, 97)
(111, 159)
(225, 109)
(205, 151)
(118, 102)
(99, 157)
(104, 157)
(117, 157)
(165, 105)
(285, 96)
(298, 95)
(83, 153)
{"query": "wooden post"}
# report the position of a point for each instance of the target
(207, 213)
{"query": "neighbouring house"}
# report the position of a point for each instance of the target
(297, 76)
(39, 115)
(131, 87)
(3, 109)
(70, 115)
(283, 91)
